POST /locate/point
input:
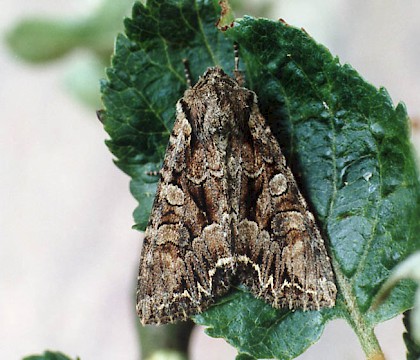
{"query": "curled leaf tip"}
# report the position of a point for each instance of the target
(226, 19)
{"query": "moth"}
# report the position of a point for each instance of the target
(228, 211)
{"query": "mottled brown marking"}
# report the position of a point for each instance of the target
(172, 233)
(228, 209)
(174, 195)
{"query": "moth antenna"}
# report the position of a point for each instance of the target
(236, 54)
(238, 74)
(187, 72)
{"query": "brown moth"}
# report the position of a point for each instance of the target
(227, 211)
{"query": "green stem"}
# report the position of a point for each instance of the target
(369, 342)
(364, 332)
(170, 341)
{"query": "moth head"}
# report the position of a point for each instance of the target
(216, 77)
(218, 106)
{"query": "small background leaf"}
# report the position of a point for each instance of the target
(39, 40)
(413, 348)
(49, 355)
(347, 144)
(408, 269)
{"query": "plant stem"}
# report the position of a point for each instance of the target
(364, 332)
(170, 339)
(370, 344)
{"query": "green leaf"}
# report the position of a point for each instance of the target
(48, 355)
(40, 39)
(243, 356)
(347, 145)
(256, 328)
(146, 80)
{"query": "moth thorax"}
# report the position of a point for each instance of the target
(221, 127)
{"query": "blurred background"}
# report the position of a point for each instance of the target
(68, 255)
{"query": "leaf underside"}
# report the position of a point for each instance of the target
(346, 143)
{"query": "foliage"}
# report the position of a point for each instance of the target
(49, 355)
(39, 39)
(345, 141)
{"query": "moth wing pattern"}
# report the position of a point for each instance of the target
(282, 256)
(228, 208)
(186, 259)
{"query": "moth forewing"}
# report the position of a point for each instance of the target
(228, 209)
